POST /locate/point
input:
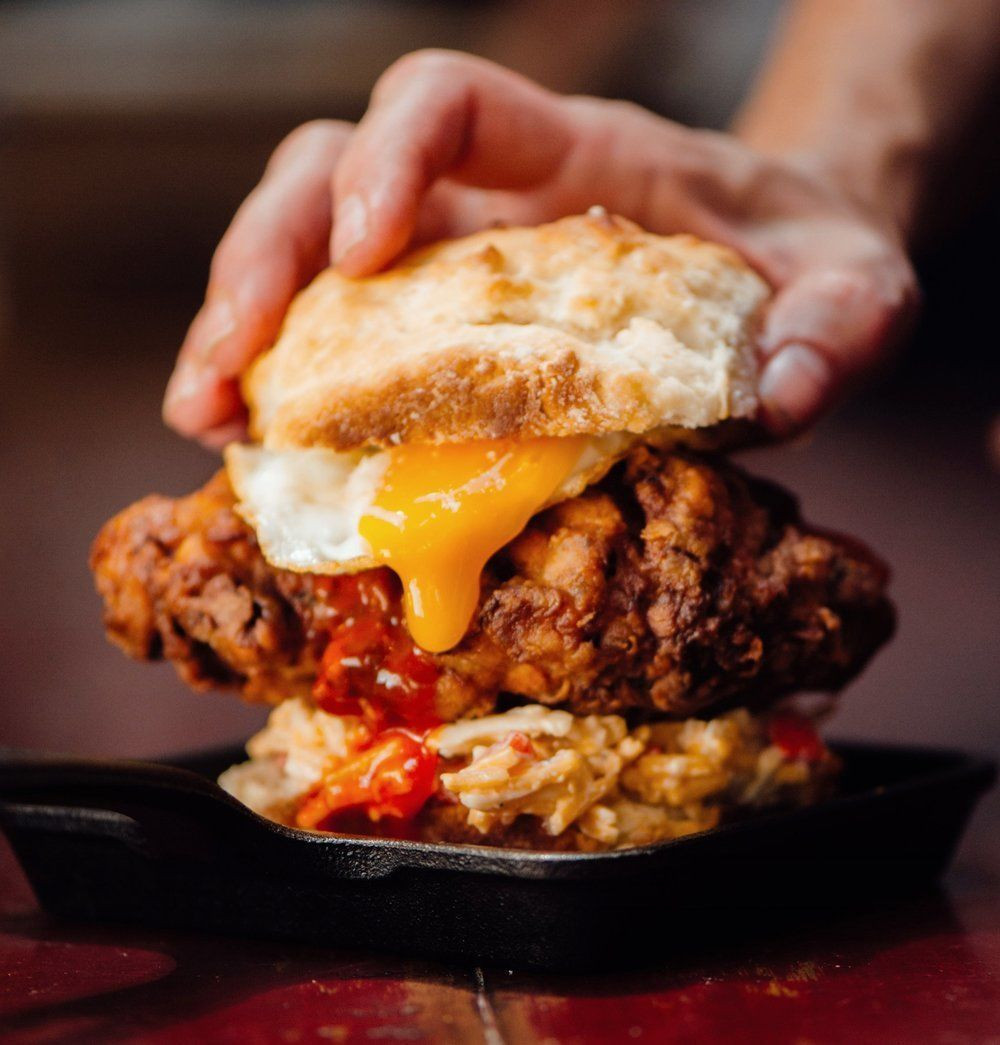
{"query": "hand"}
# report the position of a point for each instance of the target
(452, 143)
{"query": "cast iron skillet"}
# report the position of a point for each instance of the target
(163, 845)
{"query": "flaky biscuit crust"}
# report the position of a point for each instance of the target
(585, 325)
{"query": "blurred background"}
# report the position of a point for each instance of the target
(129, 132)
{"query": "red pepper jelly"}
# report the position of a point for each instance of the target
(371, 667)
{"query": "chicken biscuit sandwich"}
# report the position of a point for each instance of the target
(484, 560)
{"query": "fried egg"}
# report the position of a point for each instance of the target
(433, 514)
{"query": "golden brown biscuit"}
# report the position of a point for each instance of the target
(585, 325)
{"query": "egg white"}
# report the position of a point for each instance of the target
(305, 505)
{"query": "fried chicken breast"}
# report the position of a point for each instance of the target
(676, 585)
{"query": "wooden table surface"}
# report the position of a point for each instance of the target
(923, 968)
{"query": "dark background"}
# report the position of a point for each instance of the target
(130, 132)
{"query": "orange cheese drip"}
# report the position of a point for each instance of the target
(442, 511)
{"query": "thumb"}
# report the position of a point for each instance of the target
(824, 330)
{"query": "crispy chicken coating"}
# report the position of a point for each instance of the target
(678, 584)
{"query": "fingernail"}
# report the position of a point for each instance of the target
(215, 322)
(793, 387)
(220, 436)
(350, 226)
(186, 391)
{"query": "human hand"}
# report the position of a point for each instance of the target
(452, 143)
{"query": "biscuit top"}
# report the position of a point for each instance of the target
(585, 325)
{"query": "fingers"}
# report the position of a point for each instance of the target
(229, 432)
(825, 329)
(796, 385)
(436, 113)
(275, 244)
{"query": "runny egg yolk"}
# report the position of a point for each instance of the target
(442, 511)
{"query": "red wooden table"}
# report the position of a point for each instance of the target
(917, 969)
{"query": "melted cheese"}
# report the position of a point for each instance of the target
(440, 512)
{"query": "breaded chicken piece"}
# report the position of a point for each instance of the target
(676, 585)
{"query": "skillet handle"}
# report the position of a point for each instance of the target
(169, 812)
(161, 809)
